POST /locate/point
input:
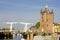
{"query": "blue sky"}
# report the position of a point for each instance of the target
(26, 10)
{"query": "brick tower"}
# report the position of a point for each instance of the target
(46, 21)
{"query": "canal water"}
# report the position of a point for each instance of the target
(15, 37)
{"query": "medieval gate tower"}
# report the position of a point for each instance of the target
(46, 20)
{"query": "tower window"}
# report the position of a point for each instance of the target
(42, 20)
(41, 17)
(47, 19)
(47, 25)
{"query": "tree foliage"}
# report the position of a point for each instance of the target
(37, 25)
(7, 29)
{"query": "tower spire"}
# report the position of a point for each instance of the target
(46, 6)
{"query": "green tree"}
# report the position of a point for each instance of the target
(7, 29)
(37, 25)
